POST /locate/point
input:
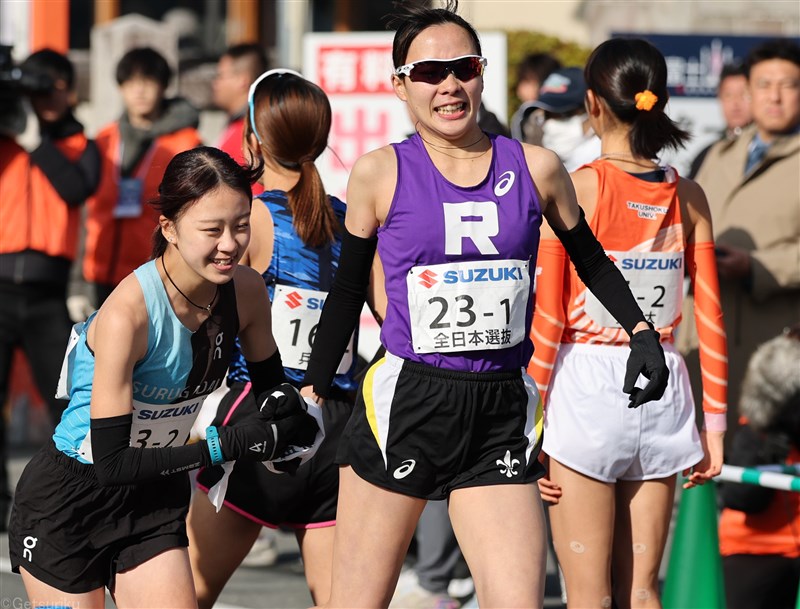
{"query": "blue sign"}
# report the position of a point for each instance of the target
(694, 62)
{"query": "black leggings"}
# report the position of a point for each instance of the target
(761, 582)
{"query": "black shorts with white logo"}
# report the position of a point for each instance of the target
(305, 499)
(75, 535)
(424, 431)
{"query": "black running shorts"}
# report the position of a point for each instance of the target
(424, 431)
(306, 499)
(73, 534)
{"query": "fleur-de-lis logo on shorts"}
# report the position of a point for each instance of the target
(508, 464)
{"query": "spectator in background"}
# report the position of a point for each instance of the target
(238, 67)
(752, 188)
(559, 118)
(135, 151)
(759, 528)
(489, 122)
(532, 72)
(734, 102)
(39, 222)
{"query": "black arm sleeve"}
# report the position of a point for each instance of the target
(118, 463)
(74, 182)
(599, 274)
(342, 310)
(266, 374)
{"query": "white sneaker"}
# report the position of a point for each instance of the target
(461, 588)
(264, 552)
(410, 595)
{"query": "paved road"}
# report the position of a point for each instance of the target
(281, 586)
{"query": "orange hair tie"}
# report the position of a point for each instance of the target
(646, 100)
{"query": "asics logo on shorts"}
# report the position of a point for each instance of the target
(406, 467)
(507, 465)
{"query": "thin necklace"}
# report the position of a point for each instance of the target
(442, 149)
(207, 308)
(626, 156)
(451, 147)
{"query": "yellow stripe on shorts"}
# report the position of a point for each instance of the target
(369, 398)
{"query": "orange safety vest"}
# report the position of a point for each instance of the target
(775, 530)
(116, 246)
(40, 221)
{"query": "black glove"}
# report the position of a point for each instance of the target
(647, 358)
(280, 402)
(256, 439)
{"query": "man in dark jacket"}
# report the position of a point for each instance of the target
(39, 236)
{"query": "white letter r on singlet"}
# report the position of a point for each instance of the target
(475, 220)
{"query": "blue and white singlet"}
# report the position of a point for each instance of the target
(170, 383)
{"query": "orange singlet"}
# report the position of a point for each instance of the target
(640, 226)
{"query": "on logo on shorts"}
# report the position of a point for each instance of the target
(30, 543)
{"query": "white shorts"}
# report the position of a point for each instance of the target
(589, 428)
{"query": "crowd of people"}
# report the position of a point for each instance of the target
(560, 317)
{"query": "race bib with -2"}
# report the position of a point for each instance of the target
(157, 425)
(656, 281)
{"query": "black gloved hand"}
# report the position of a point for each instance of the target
(280, 402)
(647, 358)
(256, 439)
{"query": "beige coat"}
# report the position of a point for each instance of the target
(759, 212)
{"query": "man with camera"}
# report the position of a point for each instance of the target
(40, 200)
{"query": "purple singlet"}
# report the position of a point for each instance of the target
(459, 262)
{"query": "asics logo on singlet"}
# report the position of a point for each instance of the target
(406, 467)
(509, 273)
(652, 264)
(29, 543)
(504, 184)
(427, 278)
(167, 412)
(293, 300)
(507, 465)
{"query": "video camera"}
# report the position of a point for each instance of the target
(15, 83)
(15, 80)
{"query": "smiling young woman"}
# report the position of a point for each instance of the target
(105, 503)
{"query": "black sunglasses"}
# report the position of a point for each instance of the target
(434, 71)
